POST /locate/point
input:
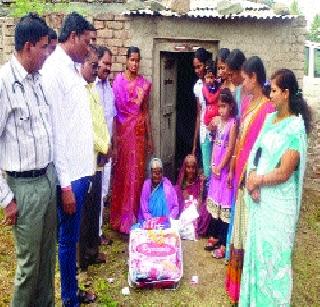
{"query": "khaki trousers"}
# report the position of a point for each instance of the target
(35, 239)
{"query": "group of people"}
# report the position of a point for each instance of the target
(57, 115)
(62, 127)
(253, 151)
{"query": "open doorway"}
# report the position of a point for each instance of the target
(177, 109)
(186, 107)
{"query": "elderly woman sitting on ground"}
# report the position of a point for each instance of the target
(158, 197)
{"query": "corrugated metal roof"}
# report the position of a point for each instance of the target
(208, 9)
(210, 13)
(212, 4)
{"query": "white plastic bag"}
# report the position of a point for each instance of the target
(187, 217)
(188, 232)
(190, 213)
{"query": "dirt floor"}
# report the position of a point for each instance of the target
(210, 289)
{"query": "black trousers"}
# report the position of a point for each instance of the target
(89, 229)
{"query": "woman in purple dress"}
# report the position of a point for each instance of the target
(220, 192)
(190, 182)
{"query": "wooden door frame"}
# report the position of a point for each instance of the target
(164, 44)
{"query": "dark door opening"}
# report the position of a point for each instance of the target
(186, 107)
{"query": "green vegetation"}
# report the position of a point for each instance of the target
(294, 8)
(314, 34)
(22, 7)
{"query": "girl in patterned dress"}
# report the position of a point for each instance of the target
(220, 193)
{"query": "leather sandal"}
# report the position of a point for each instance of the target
(105, 241)
(86, 297)
(218, 253)
(212, 244)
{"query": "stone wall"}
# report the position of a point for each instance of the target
(279, 43)
(311, 91)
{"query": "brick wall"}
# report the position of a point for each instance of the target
(112, 31)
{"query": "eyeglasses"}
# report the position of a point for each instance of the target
(94, 66)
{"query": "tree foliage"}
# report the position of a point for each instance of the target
(294, 8)
(22, 7)
(314, 34)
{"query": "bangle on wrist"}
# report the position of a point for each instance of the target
(261, 180)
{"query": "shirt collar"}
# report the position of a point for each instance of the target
(64, 58)
(19, 71)
(102, 82)
(67, 61)
(89, 85)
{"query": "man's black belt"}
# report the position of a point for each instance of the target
(29, 174)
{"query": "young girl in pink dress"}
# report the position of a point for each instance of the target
(220, 192)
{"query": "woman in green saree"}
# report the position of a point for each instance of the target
(274, 188)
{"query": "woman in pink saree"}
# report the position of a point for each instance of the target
(133, 136)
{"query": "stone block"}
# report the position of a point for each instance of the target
(11, 21)
(122, 18)
(117, 67)
(115, 25)
(121, 59)
(98, 24)
(105, 33)
(7, 49)
(114, 42)
(123, 51)
(122, 34)
(114, 50)
(8, 41)
(126, 25)
(104, 16)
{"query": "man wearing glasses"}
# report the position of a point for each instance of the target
(27, 194)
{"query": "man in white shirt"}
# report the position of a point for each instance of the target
(27, 195)
(108, 102)
(74, 158)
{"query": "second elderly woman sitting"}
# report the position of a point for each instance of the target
(158, 197)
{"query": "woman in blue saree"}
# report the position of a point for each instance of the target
(158, 197)
(274, 190)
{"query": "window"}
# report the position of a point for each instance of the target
(316, 63)
(306, 61)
